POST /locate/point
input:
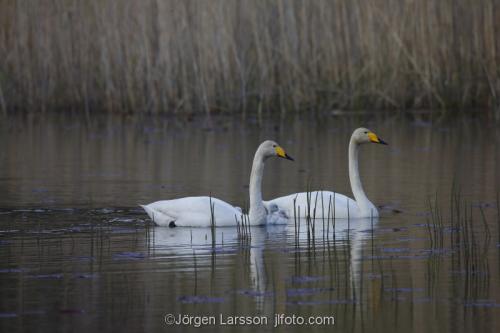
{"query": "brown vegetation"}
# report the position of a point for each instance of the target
(250, 56)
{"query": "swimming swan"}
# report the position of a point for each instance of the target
(327, 202)
(196, 212)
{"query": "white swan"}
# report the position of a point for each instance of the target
(196, 212)
(327, 202)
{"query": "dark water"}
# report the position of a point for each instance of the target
(76, 253)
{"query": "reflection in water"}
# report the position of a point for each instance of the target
(303, 235)
(199, 243)
(106, 266)
(58, 160)
(77, 253)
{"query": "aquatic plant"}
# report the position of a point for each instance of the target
(468, 243)
(212, 220)
(249, 56)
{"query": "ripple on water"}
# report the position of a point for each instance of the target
(200, 299)
(56, 276)
(86, 276)
(129, 256)
(483, 303)
(403, 290)
(8, 315)
(255, 293)
(83, 258)
(13, 270)
(395, 249)
(292, 292)
(321, 302)
(307, 279)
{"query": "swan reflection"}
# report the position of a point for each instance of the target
(253, 252)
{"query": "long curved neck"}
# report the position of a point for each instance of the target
(357, 188)
(257, 210)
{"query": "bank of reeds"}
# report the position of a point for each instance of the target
(249, 56)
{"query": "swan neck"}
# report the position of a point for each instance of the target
(355, 179)
(257, 210)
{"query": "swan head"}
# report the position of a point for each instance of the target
(364, 135)
(270, 148)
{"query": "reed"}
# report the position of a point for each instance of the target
(498, 216)
(243, 228)
(295, 225)
(248, 56)
(469, 242)
(308, 214)
(213, 223)
(436, 229)
(311, 218)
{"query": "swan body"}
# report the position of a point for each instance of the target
(327, 203)
(197, 212)
(191, 211)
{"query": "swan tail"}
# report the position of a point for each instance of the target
(159, 217)
(148, 211)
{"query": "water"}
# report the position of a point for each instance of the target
(77, 253)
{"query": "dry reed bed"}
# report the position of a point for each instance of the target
(250, 56)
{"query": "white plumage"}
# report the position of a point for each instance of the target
(328, 203)
(196, 211)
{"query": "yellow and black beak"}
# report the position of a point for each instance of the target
(375, 139)
(281, 153)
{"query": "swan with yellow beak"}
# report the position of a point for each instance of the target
(196, 211)
(328, 203)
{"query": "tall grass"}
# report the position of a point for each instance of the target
(249, 56)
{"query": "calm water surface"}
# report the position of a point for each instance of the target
(76, 252)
